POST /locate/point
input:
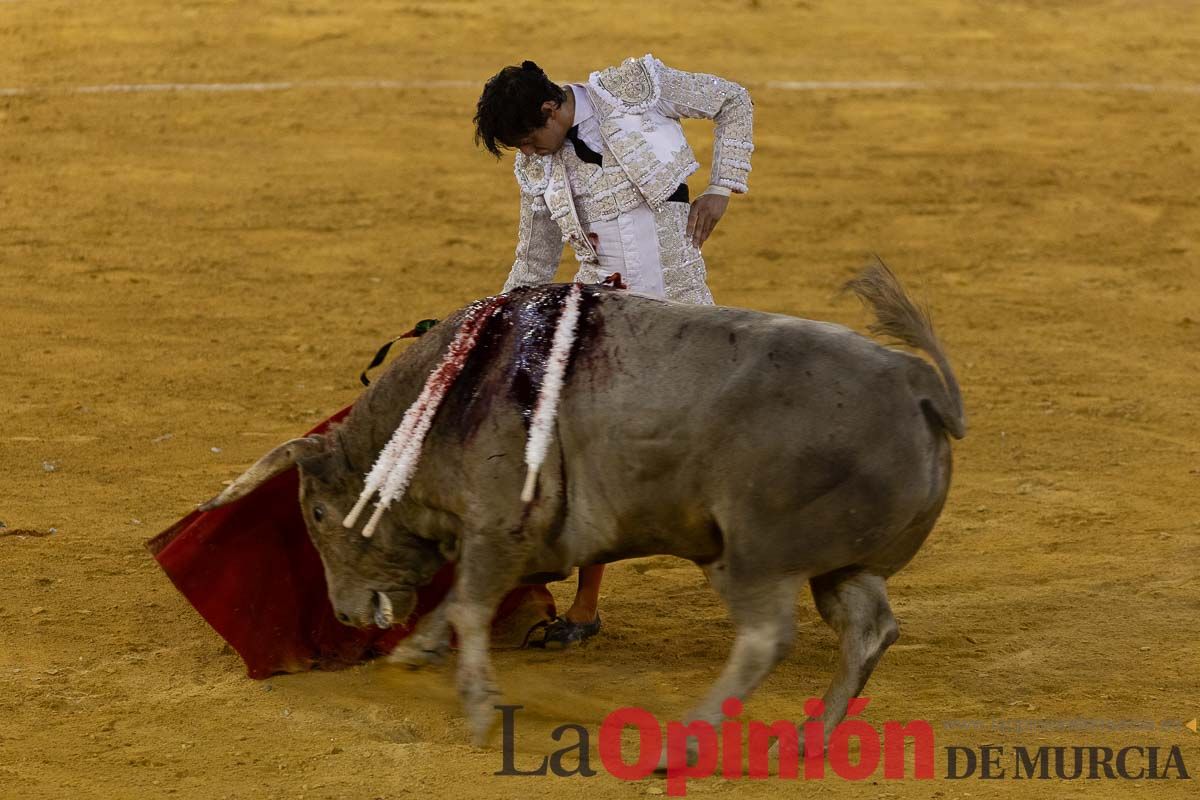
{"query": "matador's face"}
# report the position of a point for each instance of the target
(550, 137)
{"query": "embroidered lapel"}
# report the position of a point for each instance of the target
(561, 203)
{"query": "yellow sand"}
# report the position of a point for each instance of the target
(188, 278)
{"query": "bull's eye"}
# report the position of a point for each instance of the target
(318, 512)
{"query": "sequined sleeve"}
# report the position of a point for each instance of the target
(699, 95)
(539, 245)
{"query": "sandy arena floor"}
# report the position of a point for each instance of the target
(189, 277)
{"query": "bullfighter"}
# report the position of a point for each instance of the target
(617, 194)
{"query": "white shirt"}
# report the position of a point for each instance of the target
(585, 118)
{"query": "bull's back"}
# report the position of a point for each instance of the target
(680, 422)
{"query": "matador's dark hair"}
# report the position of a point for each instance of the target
(510, 107)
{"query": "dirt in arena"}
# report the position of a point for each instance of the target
(190, 277)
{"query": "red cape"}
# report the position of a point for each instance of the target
(252, 573)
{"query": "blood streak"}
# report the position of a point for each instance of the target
(533, 330)
(614, 281)
(527, 318)
(398, 460)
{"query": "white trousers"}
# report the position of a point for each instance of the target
(652, 252)
(629, 245)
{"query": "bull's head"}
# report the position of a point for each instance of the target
(371, 580)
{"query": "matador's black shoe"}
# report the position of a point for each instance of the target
(560, 633)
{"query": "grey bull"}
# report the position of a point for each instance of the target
(767, 449)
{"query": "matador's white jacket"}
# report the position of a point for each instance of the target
(638, 105)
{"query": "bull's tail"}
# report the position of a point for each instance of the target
(898, 317)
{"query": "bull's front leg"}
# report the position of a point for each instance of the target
(482, 582)
(476, 680)
(429, 643)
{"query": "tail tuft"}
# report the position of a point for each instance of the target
(899, 318)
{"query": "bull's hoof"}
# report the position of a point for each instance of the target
(416, 654)
(560, 633)
(691, 756)
(481, 732)
(773, 750)
(481, 716)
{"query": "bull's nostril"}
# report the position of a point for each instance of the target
(343, 618)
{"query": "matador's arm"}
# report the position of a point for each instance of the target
(539, 241)
(699, 95)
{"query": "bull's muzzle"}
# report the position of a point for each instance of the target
(383, 610)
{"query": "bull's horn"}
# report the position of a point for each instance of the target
(383, 611)
(270, 465)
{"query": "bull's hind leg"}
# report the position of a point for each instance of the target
(763, 611)
(764, 617)
(855, 605)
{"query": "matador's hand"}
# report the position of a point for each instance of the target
(706, 212)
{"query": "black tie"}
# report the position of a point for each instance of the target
(584, 152)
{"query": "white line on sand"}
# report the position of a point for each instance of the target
(796, 86)
(985, 86)
(274, 86)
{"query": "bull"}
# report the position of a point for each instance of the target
(769, 450)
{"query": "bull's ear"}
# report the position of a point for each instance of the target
(281, 458)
